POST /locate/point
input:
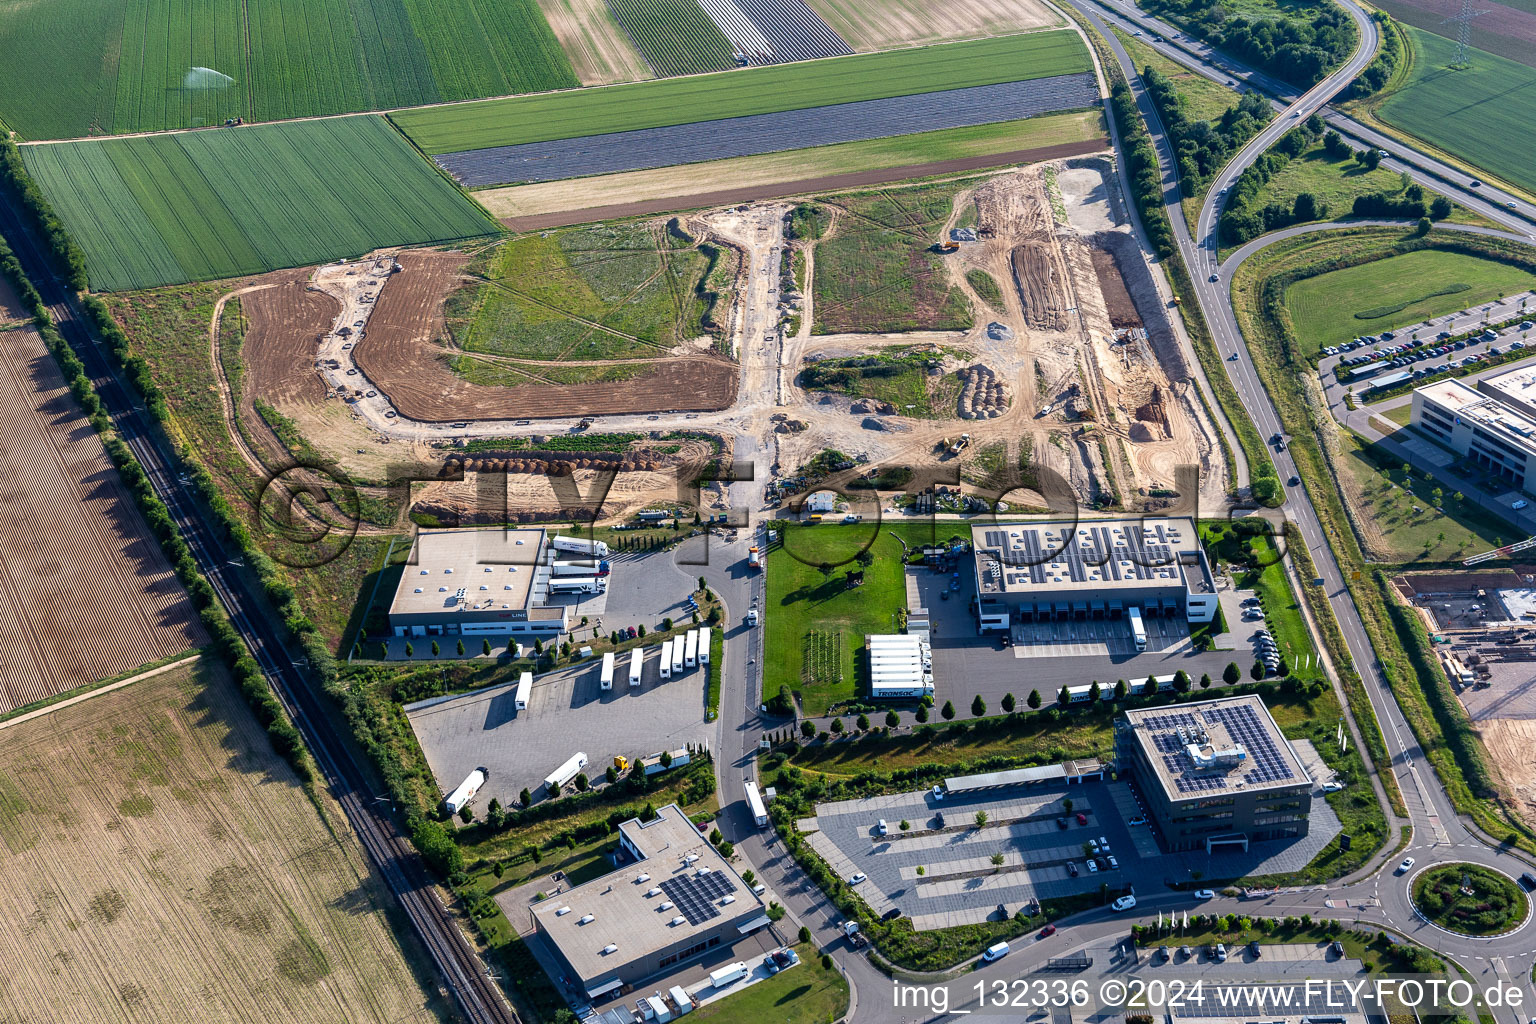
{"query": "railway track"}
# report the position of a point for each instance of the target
(477, 996)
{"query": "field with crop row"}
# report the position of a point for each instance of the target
(81, 67)
(568, 115)
(158, 862)
(775, 31)
(164, 209)
(85, 592)
(1482, 114)
(769, 133)
(675, 36)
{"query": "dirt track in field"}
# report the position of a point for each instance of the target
(600, 52)
(159, 863)
(805, 186)
(893, 23)
(85, 592)
(401, 357)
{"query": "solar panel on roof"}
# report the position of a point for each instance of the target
(696, 895)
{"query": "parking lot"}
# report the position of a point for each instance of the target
(567, 712)
(1046, 656)
(960, 883)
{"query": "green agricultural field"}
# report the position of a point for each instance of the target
(621, 291)
(83, 67)
(1327, 309)
(751, 91)
(875, 274)
(194, 206)
(676, 37)
(1482, 115)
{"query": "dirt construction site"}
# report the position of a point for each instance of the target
(1075, 364)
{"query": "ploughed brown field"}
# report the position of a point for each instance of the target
(85, 591)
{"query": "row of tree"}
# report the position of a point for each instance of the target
(1246, 215)
(1200, 147)
(1299, 48)
(1141, 167)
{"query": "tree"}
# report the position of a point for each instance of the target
(805, 934)
(1181, 681)
(715, 837)
(498, 869)
(997, 860)
(921, 714)
(807, 728)
(981, 818)
(1008, 704)
(485, 647)
(1095, 692)
(948, 710)
(437, 847)
(1439, 208)
(1121, 689)
(1067, 805)
(1205, 681)
(978, 707)
(1231, 674)
(837, 726)
(612, 775)
(863, 723)
(466, 814)
(905, 824)
(640, 630)
(892, 719)
(1335, 146)
(383, 651)
(1306, 207)
(1423, 228)
(582, 782)
(410, 650)
(666, 623)
(1369, 158)
(436, 650)
(461, 648)
(1257, 671)
(538, 645)
(1033, 700)
(525, 798)
(1063, 697)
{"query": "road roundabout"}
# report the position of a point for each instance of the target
(1473, 900)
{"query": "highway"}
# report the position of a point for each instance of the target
(476, 995)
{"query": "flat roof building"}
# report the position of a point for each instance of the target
(476, 581)
(1216, 773)
(1057, 569)
(673, 899)
(1484, 426)
(1515, 388)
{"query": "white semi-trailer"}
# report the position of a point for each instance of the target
(578, 546)
(1138, 630)
(703, 645)
(677, 655)
(605, 681)
(666, 658)
(651, 765)
(636, 666)
(691, 649)
(577, 585)
(557, 779)
(524, 688)
(755, 806)
(585, 567)
(460, 798)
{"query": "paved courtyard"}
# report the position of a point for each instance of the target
(567, 712)
(960, 884)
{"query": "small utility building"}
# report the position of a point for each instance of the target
(674, 899)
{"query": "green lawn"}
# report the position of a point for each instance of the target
(806, 994)
(1335, 182)
(84, 67)
(735, 93)
(1257, 567)
(1400, 414)
(1204, 99)
(1482, 114)
(165, 209)
(1403, 289)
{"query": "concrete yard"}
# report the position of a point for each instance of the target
(960, 884)
(567, 712)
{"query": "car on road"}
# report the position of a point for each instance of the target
(1122, 904)
(1528, 882)
(1216, 277)
(1402, 869)
(1205, 894)
(1047, 931)
(1233, 357)
(1295, 481)
(1511, 205)
(1474, 183)
(857, 877)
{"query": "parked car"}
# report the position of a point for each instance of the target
(1072, 868)
(857, 877)
(1219, 953)
(1093, 867)
(1140, 819)
(1124, 903)
(1061, 822)
(1082, 819)
(1205, 894)
(1254, 950)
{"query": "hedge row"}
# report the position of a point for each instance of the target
(1141, 166)
(67, 258)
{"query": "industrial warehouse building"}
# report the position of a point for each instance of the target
(673, 899)
(1216, 774)
(1489, 426)
(1061, 569)
(480, 582)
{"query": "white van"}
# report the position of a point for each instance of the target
(996, 952)
(882, 828)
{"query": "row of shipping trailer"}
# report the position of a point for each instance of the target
(678, 655)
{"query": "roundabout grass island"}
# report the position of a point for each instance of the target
(1469, 899)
